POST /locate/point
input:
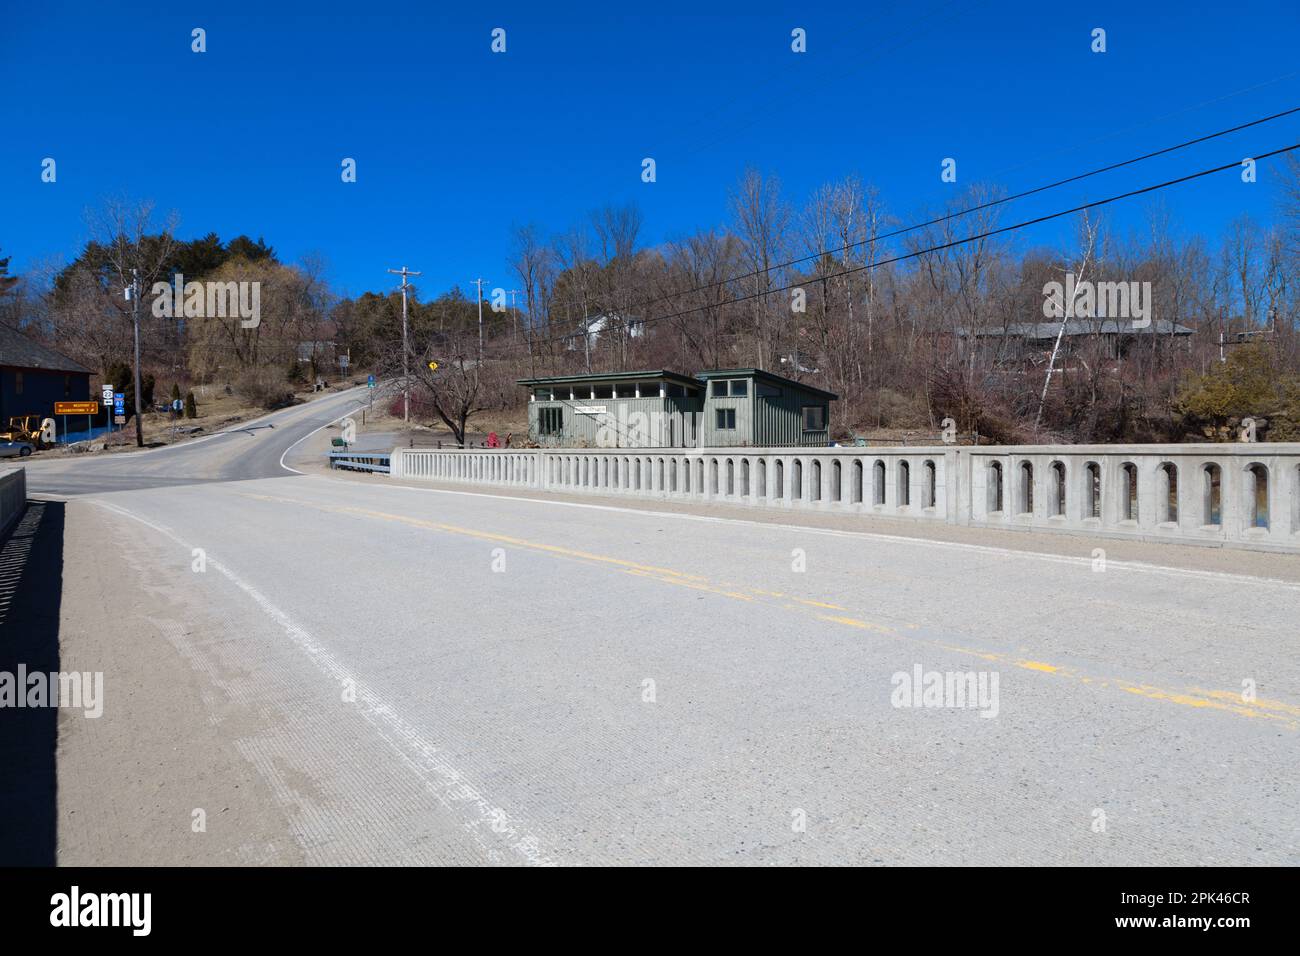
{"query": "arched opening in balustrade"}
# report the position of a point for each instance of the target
(816, 489)
(1025, 493)
(1128, 492)
(660, 465)
(1167, 493)
(1256, 495)
(929, 482)
(797, 479)
(904, 483)
(713, 476)
(760, 479)
(995, 487)
(857, 481)
(878, 482)
(699, 474)
(686, 476)
(731, 478)
(1092, 490)
(837, 475)
(744, 477)
(780, 479)
(1056, 491)
(637, 475)
(672, 474)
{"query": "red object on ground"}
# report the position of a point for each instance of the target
(493, 441)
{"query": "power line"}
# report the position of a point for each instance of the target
(1235, 164)
(967, 211)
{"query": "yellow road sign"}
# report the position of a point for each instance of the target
(433, 366)
(76, 408)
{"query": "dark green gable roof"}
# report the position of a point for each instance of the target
(18, 351)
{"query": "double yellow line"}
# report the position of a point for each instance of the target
(1288, 715)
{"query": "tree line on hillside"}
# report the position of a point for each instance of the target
(908, 326)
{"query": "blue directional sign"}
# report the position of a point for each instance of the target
(370, 381)
(119, 403)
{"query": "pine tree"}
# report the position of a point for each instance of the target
(7, 282)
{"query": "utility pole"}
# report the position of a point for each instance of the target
(406, 351)
(135, 322)
(514, 312)
(479, 283)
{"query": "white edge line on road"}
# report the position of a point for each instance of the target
(872, 536)
(448, 784)
(308, 435)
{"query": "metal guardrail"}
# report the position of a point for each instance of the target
(361, 461)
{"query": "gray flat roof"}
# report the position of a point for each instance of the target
(591, 378)
(667, 375)
(1078, 327)
(763, 375)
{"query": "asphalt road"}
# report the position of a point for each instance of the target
(351, 671)
(249, 450)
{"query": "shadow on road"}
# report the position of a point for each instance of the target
(31, 585)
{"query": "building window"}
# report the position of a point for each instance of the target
(718, 388)
(814, 418)
(739, 388)
(726, 418)
(768, 391)
(603, 391)
(550, 421)
(625, 390)
(542, 394)
(676, 391)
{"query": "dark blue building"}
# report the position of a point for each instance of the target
(33, 377)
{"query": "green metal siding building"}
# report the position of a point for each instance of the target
(664, 409)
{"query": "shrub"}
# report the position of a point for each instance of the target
(265, 387)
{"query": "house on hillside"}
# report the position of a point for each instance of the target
(1032, 341)
(591, 329)
(33, 377)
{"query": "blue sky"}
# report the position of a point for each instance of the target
(454, 144)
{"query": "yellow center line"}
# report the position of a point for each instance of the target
(1222, 701)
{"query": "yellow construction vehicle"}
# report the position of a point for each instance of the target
(24, 428)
